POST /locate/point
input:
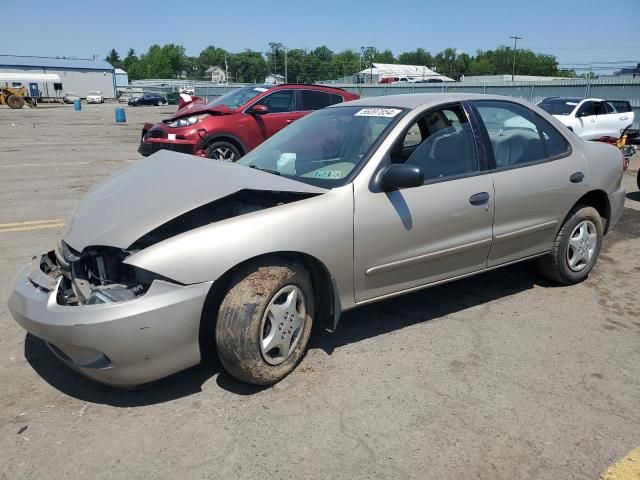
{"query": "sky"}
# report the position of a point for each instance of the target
(578, 32)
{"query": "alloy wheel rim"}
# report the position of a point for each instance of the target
(582, 246)
(223, 154)
(282, 324)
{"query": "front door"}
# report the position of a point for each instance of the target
(586, 121)
(415, 236)
(282, 112)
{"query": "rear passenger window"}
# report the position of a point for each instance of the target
(555, 144)
(514, 136)
(314, 100)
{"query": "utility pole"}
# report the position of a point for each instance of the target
(285, 64)
(515, 51)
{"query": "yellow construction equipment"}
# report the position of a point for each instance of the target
(15, 97)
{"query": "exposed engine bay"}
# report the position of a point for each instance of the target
(98, 274)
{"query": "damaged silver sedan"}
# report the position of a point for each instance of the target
(352, 204)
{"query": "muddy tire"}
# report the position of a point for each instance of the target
(264, 322)
(15, 101)
(575, 248)
(223, 151)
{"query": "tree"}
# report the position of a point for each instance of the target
(247, 67)
(384, 57)
(417, 57)
(210, 57)
(113, 58)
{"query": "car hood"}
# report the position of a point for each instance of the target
(153, 191)
(198, 108)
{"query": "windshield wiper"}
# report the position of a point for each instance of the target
(275, 172)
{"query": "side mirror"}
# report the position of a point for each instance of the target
(401, 175)
(259, 110)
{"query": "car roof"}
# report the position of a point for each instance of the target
(414, 100)
(300, 85)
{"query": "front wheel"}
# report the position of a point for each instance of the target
(638, 179)
(264, 322)
(15, 101)
(223, 151)
(575, 248)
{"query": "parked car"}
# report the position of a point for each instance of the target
(353, 204)
(70, 97)
(95, 96)
(148, 99)
(187, 89)
(125, 97)
(232, 125)
(590, 118)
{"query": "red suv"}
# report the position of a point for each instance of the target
(235, 123)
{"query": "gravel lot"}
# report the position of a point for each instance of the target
(501, 376)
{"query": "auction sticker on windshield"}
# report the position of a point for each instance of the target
(378, 112)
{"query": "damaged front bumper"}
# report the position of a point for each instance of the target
(124, 343)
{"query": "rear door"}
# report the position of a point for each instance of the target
(536, 176)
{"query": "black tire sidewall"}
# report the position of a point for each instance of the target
(239, 350)
(586, 213)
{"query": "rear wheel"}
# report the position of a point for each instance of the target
(576, 247)
(15, 101)
(223, 151)
(265, 321)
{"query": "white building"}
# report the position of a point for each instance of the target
(122, 80)
(216, 74)
(378, 72)
(274, 78)
(76, 75)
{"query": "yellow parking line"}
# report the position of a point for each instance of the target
(32, 227)
(30, 222)
(60, 164)
(627, 468)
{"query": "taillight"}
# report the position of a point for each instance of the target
(625, 162)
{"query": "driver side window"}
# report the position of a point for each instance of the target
(441, 144)
(279, 102)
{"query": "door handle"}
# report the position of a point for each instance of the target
(623, 118)
(481, 198)
(577, 177)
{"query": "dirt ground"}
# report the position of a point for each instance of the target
(500, 376)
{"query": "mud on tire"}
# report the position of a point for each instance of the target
(246, 321)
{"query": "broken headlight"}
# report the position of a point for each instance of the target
(187, 121)
(99, 275)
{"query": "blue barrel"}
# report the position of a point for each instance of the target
(77, 105)
(120, 115)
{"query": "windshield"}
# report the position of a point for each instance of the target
(559, 106)
(325, 147)
(238, 97)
